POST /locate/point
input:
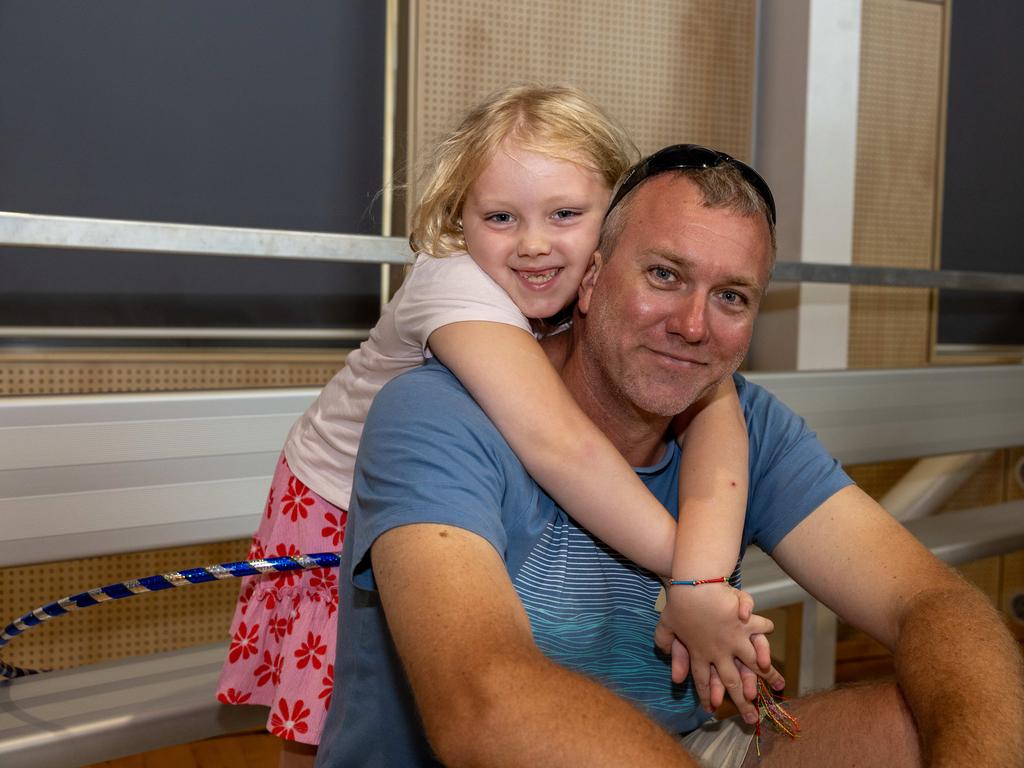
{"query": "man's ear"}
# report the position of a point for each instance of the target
(589, 281)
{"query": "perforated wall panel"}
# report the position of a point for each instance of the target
(896, 182)
(81, 373)
(669, 70)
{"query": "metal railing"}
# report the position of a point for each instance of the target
(67, 232)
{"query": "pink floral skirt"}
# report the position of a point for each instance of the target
(285, 625)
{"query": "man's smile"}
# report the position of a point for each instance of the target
(681, 359)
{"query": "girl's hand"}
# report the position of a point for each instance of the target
(714, 628)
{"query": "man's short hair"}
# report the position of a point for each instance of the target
(721, 186)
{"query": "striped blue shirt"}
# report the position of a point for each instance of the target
(430, 455)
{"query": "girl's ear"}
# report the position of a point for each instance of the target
(589, 281)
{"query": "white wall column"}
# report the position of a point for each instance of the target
(805, 146)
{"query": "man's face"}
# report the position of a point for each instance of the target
(670, 313)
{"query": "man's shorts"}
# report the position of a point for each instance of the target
(720, 743)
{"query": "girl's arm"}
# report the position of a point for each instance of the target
(712, 620)
(509, 375)
(712, 487)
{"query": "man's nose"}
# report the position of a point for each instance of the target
(690, 320)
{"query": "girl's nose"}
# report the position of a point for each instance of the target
(534, 243)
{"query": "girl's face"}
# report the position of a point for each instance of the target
(532, 222)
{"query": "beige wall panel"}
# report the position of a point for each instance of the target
(1012, 596)
(897, 151)
(669, 70)
(1015, 475)
(986, 486)
(61, 373)
(889, 327)
(147, 623)
(876, 479)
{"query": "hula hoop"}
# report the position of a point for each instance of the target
(157, 583)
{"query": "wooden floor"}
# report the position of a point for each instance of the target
(246, 750)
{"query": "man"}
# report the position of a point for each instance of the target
(481, 626)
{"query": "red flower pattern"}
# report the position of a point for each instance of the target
(256, 550)
(269, 671)
(270, 599)
(335, 528)
(328, 687)
(311, 651)
(234, 697)
(246, 596)
(278, 628)
(243, 645)
(286, 724)
(297, 500)
(324, 578)
(270, 502)
(278, 669)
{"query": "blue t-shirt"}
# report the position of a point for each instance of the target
(430, 455)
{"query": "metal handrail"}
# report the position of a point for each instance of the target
(70, 232)
(807, 272)
(33, 230)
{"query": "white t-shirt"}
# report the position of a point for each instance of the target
(321, 446)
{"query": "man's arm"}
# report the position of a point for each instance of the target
(486, 694)
(957, 666)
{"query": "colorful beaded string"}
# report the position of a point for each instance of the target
(770, 708)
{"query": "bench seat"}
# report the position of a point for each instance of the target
(97, 712)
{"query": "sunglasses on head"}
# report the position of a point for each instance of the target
(691, 156)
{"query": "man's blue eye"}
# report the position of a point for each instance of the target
(732, 297)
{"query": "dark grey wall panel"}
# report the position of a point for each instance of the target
(251, 113)
(984, 169)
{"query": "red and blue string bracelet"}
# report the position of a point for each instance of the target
(698, 582)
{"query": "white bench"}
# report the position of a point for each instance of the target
(98, 475)
(75, 472)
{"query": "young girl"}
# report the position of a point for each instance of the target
(505, 230)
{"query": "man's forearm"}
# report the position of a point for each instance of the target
(961, 673)
(540, 714)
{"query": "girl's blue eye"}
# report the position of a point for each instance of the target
(500, 218)
(565, 213)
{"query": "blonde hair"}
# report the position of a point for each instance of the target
(556, 121)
